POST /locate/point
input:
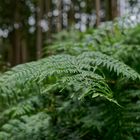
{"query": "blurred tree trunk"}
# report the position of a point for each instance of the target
(107, 10)
(14, 52)
(97, 5)
(17, 43)
(39, 29)
(17, 53)
(111, 9)
(114, 8)
(71, 18)
(24, 56)
(47, 12)
(59, 17)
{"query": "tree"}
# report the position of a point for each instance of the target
(97, 12)
(59, 17)
(39, 28)
(16, 23)
(111, 9)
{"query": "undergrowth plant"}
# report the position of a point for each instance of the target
(90, 92)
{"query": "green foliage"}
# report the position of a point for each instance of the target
(90, 92)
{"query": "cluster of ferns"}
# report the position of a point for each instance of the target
(89, 88)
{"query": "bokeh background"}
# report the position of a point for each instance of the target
(28, 26)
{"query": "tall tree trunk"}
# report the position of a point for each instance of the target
(15, 37)
(24, 56)
(107, 10)
(47, 11)
(97, 2)
(114, 8)
(71, 15)
(59, 17)
(39, 29)
(17, 46)
(111, 9)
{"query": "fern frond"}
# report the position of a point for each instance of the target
(62, 66)
(103, 60)
(31, 127)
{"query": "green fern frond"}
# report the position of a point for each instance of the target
(103, 60)
(62, 66)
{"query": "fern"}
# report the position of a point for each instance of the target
(35, 97)
(62, 66)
